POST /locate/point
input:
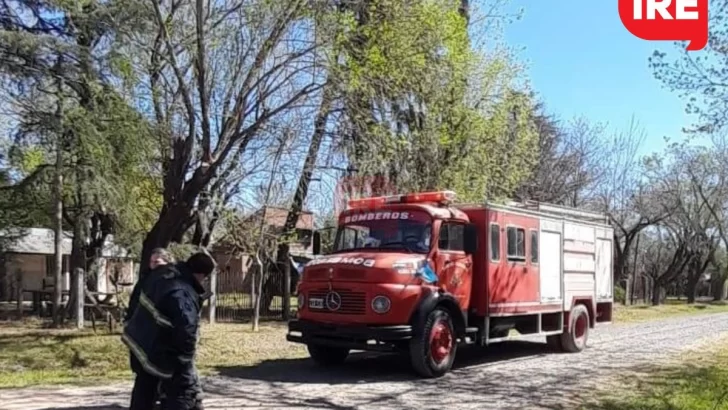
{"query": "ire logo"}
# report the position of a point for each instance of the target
(667, 20)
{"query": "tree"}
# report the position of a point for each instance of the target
(709, 177)
(700, 78)
(217, 75)
(572, 161)
(57, 71)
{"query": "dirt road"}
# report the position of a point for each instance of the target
(522, 375)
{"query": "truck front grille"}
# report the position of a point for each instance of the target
(352, 302)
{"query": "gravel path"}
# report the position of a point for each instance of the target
(518, 375)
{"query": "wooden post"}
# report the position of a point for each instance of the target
(211, 311)
(19, 278)
(80, 297)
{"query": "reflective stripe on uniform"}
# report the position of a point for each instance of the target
(143, 359)
(158, 317)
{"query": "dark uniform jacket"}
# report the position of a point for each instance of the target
(134, 298)
(163, 330)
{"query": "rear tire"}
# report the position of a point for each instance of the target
(327, 356)
(575, 338)
(432, 352)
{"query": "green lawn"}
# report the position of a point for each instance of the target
(627, 314)
(698, 381)
(31, 355)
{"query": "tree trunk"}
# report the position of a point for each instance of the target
(299, 198)
(261, 242)
(657, 289)
(692, 287)
(80, 298)
(719, 287)
(58, 209)
(629, 290)
(164, 230)
(58, 233)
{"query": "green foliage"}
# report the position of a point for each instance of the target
(620, 295)
(698, 384)
(426, 109)
(112, 159)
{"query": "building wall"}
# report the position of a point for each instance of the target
(35, 274)
(120, 271)
(34, 270)
(233, 274)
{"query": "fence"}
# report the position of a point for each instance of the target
(234, 296)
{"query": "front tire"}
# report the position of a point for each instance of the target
(432, 352)
(575, 338)
(327, 356)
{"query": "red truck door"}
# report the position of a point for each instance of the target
(452, 264)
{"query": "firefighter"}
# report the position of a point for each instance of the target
(146, 386)
(163, 331)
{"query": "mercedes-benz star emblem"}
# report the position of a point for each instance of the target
(333, 301)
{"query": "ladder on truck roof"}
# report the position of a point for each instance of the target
(559, 211)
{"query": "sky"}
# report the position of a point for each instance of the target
(582, 61)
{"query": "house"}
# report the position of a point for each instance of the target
(29, 254)
(233, 273)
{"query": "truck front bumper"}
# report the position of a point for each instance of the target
(355, 337)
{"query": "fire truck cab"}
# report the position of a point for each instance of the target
(418, 275)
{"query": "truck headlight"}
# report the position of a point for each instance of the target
(301, 301)
(381, 304)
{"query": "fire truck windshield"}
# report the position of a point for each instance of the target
(383, 230)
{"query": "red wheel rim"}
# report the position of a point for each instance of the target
(580, 327)
(440, 342)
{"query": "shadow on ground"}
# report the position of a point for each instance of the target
(390, 382)
(373, 367)
(103, 407)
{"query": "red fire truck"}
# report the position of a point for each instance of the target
(419, 275)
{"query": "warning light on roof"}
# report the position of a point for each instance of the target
(439, 197)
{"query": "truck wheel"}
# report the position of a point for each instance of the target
(327, 356)
(432, 353)
(574, 340)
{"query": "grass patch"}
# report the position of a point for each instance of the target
(31, 355)
(639, 313)
(698, 381)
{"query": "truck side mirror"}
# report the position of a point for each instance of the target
(316, 243)
(471, 239)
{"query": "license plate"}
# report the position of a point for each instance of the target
(316, 303)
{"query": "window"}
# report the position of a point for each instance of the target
(516, 243)
(452, 237)
(304, 235)
(534, 246)
(410, 231)
(50, 263)
(494, 242)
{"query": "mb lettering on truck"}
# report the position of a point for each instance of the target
(421, 276)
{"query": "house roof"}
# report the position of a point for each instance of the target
(276, 216)
(42, 241)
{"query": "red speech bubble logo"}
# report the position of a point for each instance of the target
(667, 20)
